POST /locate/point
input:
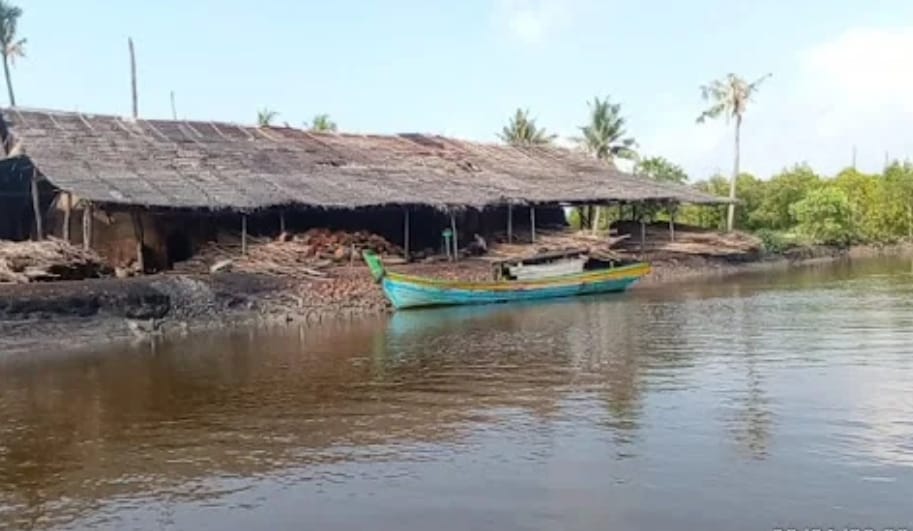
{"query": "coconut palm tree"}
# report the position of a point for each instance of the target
(265, 117)
(604, 138)
(322, 124)
(728, 98)
(604, 135)
(522, 130)
(10, 47)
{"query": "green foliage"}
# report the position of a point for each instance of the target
(660, 169)
(322, 124)
(825, 216)
(706, 216)
(775, 241)
(778, 195)
(797, 206)
(522, 130)
(265, 117)
(10, 47)
(728, 97)
(604, 135)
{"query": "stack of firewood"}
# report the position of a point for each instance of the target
(51, 259)
(687, 240)
(292, 255)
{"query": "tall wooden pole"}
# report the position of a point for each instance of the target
(140, 237)
(36, 207)
(133, 91)
(174, 109)
(87, 225)
(510, 223)
(643, 238)
(532, 223)
(244, 234)
(456, 243)
(67, 214)
(406, 252)
(281, 222)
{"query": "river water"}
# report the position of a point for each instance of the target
(761, 402)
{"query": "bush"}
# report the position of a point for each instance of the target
(774, 242)
(825, 216)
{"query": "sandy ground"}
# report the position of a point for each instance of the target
(65, 315)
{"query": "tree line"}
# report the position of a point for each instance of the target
(799, 206)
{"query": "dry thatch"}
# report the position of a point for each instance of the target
(178, 164)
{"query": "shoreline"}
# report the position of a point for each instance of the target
(82, 314)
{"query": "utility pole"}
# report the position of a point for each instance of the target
(133, 78)
(174, 109)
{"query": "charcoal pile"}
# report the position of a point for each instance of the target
(292, 255)
(48, 260)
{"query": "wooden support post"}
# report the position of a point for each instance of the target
(87, 227)
(36, 207)
(643, 238)
(138, 234)
(281, 222)
(243, 234)
(456, 244)
(596, 212)
(510, 223)
(67, 214)
(532, 223)
(671, 225)
(406, 249)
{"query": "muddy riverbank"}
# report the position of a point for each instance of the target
(36, 317)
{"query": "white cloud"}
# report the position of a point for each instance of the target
(533, 21)
(864, 68)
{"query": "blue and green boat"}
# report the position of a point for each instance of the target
(408, 291)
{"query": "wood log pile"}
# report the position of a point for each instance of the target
(47, 260)
(291, 255)
(688, 241)
(556, 242)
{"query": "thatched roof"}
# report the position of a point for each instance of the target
(180, 164)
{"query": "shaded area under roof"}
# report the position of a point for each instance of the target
(218, 166)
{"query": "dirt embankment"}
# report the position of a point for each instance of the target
(46, 316)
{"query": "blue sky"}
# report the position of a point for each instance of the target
(842, 69)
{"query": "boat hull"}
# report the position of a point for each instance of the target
(414, 292)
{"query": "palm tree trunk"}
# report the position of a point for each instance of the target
(9, 82)
(730, 213)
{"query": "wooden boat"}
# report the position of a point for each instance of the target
(408, 291)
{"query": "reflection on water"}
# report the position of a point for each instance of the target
(769, 400)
